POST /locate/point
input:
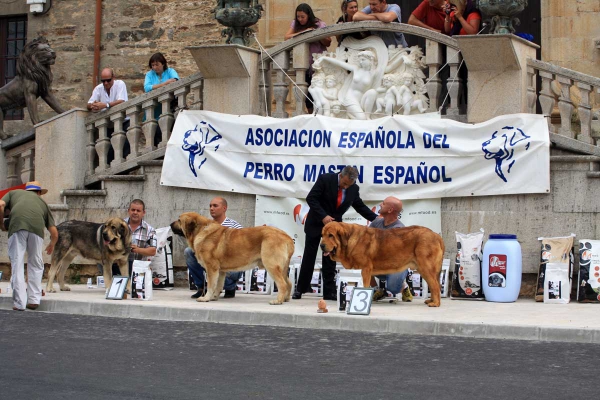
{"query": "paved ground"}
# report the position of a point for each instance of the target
(524, 319)
(58, 356)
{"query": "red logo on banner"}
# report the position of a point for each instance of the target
(300, 213)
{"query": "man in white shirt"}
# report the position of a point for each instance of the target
(107, 94)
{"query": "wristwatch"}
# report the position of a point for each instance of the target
(107, 105)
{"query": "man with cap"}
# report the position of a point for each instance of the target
(29, 214)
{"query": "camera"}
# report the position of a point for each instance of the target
(6, 222)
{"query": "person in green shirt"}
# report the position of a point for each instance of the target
(29, 214)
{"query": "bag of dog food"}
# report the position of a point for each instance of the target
(416, 284)
(557, 284)
(162, 262)
(466, 279)
(141, 280)
(588, 288)
(554, 250)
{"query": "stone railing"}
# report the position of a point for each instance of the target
(558, 86)
(111, 149)
(20, 158)
(292, 58)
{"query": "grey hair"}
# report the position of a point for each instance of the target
(350, 171)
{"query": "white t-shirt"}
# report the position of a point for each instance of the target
(118, 91)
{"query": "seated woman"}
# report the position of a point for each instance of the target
(160, 75)
(306, 21)
(462, 18)
(349, 8)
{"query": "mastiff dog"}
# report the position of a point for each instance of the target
(105, 243)
(386, 251)
(220, 250)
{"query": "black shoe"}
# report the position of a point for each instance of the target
(229, 294)
(199, 293)
(297, 295)
(332, 297)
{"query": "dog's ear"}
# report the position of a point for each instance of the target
(189, 227)
(125, 233)
(341, 234)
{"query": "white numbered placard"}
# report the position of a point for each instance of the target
(117, 288)
(360, 303)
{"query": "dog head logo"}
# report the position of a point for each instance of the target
(502, 147)
(195, 141)
(300, 213)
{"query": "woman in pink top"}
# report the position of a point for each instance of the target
(306, 21)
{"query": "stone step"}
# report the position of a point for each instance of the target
(128, 178)
(82, 192)
(574, 159)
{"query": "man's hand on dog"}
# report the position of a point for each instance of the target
(327, 220)
(50, 249)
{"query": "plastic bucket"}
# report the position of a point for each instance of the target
(502, 268)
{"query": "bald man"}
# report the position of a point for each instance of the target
(390, 209)
(109, 93)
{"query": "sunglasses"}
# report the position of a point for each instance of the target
(106, 80)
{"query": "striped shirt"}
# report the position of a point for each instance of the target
(230, 223)
(144, 236)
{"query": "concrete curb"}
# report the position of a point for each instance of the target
(332, 320)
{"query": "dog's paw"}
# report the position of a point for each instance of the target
(52, 290)
(65, 289)
(275, 302)
(203, 299)
(430, 303)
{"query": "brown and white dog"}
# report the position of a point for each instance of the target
(220, 250)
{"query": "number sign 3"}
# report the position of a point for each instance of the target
(360, 303)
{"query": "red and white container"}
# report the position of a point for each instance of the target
(502, 268)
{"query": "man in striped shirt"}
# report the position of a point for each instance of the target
(218, 208)
(143, 236)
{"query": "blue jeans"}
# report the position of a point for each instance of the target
(197, 272)
(393, 282)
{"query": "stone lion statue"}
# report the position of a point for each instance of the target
(33, 80)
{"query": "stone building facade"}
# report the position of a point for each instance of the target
(133, 30)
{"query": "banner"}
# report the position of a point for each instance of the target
(417, 157)
(289, 214)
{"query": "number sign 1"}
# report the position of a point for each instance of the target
(117, 288)
(360, 303)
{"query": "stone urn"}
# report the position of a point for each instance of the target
(501, 14)
(237, 16)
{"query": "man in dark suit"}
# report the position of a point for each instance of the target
(329, 199)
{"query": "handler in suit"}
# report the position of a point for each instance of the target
(329, 199)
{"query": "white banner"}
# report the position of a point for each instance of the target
(417, 157)
(288, 214)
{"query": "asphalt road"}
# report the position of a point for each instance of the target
(54, 356)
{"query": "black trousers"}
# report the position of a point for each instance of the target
(311, 246)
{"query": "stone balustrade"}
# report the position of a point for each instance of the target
(558, 86)
(113, 149)
(20, 160)
(290, 59)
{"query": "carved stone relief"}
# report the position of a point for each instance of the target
(364, 79)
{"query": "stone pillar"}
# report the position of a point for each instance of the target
(58, 140)
(230, 78)
(497, 74)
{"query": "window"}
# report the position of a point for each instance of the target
(13, 35)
